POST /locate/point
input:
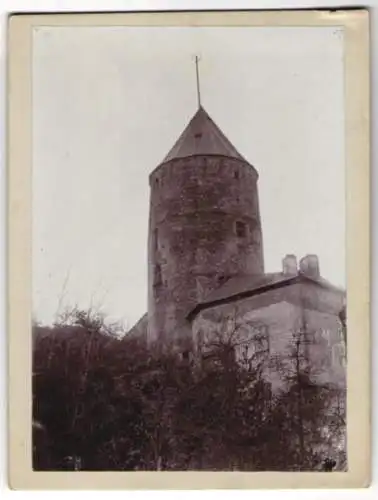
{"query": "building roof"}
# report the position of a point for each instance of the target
(246, 286)
(140, 327)
(202, 137)
(239, 284)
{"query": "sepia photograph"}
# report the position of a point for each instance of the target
(190, 181)
(189, 285)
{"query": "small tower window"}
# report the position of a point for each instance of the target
(236, 174)
(185, 355)
(221, 278)
(155, 242)
(157, 275)
(241, 229)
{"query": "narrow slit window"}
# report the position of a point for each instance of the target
(156, 240)
(157, 277)
(241, 229)
(185, 355)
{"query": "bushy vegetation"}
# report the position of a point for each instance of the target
(106, 402)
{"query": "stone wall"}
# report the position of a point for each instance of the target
(304, 310)
(204, 227)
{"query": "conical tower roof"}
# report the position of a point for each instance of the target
(202, 137)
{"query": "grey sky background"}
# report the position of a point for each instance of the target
(108, 104)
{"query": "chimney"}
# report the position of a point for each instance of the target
(289, 265)
(309, 266)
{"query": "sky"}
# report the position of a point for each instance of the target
(109, 103)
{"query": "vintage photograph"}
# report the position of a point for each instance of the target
(189, 249)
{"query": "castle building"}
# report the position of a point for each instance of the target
(206, 274)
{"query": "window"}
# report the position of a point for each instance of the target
(157, 276)
(337, 355)
(236, 174)
(267, 391)
(185, 355)
(241, 229)
(244, 351)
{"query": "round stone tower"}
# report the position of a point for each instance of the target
(204, 225)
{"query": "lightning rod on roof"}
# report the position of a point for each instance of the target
(197, 59)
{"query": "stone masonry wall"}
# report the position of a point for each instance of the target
(204, 227)
(281, 314)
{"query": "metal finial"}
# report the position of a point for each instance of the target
(197, 59)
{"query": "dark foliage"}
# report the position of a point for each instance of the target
(101, 402)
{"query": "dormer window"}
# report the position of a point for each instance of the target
(241, 229)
